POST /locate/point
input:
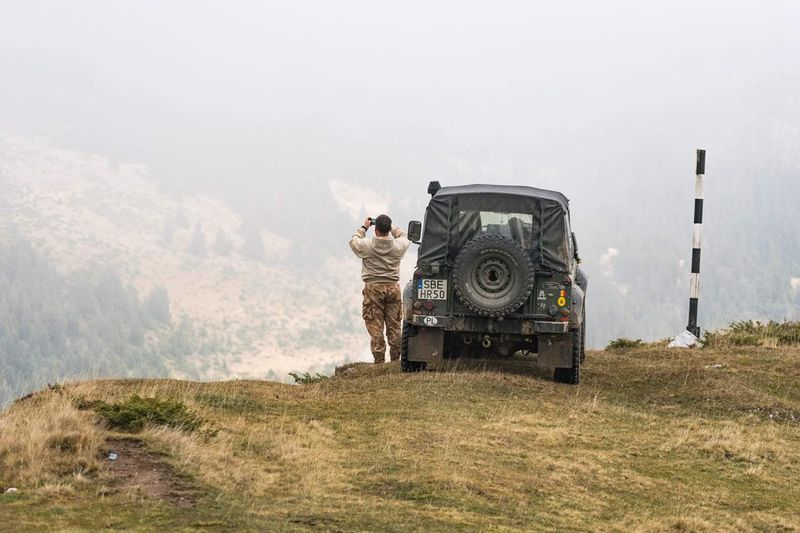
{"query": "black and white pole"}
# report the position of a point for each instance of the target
(694, 284)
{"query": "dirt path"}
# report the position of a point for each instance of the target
(136, 469)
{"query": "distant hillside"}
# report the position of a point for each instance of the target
(652, 440)
(279, 290)
(86, 323)
(221, 271)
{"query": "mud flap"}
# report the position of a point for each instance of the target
(555, 351)
(427, 345)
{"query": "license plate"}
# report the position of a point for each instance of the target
(432, 289)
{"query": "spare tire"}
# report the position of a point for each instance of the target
(493, 275)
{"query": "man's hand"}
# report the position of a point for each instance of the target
(368, 222)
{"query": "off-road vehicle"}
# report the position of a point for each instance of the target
(497, 274)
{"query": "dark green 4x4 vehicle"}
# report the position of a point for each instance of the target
(497, 274)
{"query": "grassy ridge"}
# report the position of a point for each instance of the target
(653, 439)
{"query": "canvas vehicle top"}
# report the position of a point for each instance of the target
(536, 219)
(496, 273)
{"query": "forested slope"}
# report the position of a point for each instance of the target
(86, 323)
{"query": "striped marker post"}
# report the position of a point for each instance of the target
(694, 284)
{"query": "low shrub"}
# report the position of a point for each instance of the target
(306, 378)
(136, 412)
(621, 344)
(754, 333)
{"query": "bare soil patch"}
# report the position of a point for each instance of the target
(136, 469)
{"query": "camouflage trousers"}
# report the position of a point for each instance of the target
(383, 309)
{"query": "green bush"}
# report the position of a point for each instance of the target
(135, 412)
(305, 378)
(621, 344)
(754, 333)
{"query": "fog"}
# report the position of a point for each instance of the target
(299, 113)
(389, 95)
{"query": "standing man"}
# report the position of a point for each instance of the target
(380, 269)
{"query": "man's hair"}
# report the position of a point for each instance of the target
(383, 224)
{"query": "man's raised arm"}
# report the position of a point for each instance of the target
(400, 239)
(358, 242)
(397, 233)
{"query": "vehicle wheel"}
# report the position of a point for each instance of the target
(493, 275)
(405, 364)
(571, 375)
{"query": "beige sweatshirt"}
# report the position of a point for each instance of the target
(380, 256)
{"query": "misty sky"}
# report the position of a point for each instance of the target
(605, 101)
(379, 91)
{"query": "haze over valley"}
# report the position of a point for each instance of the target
(196, 172)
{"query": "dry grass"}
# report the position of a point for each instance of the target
(243, 454)
(653, 440)
(45, 440)
(255, 461)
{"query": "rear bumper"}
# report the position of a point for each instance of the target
(490, 325)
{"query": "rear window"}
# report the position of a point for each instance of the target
(515, 226)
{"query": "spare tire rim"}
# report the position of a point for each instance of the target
(493, 276)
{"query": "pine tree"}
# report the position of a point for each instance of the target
(181, 220)
(156, 305)
(198, 246)
(222, 244)
(167, 233)
(253, 245)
